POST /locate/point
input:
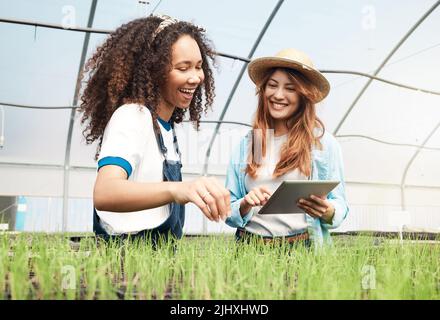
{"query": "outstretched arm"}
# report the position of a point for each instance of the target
(113, 192)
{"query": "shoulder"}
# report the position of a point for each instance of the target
(328, 141)
(245, 142)
(239, 149)
(331, 149)
(132, 111)
(326, 138)
(131, 116)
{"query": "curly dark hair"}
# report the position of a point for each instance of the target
(131, 67)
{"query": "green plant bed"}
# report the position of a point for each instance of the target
(39, 266)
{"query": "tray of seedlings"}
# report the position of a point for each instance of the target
(47, 266)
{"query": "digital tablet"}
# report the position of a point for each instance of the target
(284, 199)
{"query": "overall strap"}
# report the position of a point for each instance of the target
(161, 144)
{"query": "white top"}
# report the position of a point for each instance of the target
(273, 225)
(129, 142)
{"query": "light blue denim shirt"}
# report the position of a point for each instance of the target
(326, 165)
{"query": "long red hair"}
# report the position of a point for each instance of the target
(296, 151)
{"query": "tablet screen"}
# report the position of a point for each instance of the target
(284, 199)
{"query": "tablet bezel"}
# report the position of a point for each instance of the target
(309, 187)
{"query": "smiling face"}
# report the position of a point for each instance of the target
(185, 76)
(280, 96)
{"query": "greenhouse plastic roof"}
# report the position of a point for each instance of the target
(389, 134)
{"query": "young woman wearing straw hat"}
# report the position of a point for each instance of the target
(142, 80)
(288, 87)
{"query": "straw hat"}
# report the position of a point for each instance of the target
(292, 59)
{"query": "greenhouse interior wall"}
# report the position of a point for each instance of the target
(372, 208)
(388, 129)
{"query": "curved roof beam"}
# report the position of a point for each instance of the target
(374, 77)
(386, 142)
(85, 168)
(384, 62)
(72, 116)
(53, 26)
(225, 55)
(411, 161)
(24, 106)
(241, 124)
(227, 122)
(237, 81)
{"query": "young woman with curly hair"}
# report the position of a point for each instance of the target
(142, 81)
(288, 142)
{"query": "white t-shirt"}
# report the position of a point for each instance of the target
(129, 141)
(273, 225)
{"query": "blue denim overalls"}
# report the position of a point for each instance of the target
(173, 226)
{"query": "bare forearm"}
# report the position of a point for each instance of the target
(327, 217)
(244, 208)
(125, 196)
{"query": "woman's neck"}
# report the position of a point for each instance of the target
(280, 128)
(165, 110)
